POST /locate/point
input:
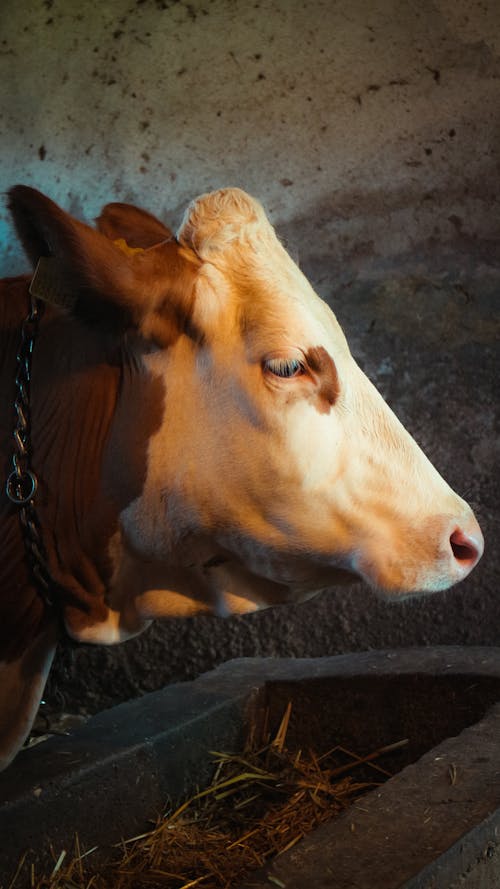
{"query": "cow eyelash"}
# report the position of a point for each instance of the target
(284, 367)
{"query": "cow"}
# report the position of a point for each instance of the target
(201, 438)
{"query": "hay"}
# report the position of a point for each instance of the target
(259, 804)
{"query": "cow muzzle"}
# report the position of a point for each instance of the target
(466, 545)
(442, 553)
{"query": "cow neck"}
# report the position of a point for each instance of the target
(76, 380)
(22, 483)
(21, 606)
(73, 397)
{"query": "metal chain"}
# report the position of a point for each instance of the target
(22, 482)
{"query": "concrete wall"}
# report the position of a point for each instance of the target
(370, 130)
(385, 111)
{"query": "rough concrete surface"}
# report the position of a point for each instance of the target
(370, 132)
(419, 831)
(386, 111)
(436, 821)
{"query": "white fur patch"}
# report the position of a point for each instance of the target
(289, 486)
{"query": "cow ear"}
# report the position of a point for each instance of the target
(99, 281)
(135, 226)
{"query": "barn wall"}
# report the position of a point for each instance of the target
(386, 111)
(370, 131)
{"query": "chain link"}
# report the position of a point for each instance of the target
(22, 482)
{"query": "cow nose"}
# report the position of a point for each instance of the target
(467, 548)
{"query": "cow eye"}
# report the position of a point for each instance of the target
(284, 367)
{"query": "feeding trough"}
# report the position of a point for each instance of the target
(434, 824)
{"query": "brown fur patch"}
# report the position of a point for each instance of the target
(151, 290)
(322, 364)
(93, 411)
(136, 226)
(21, 608)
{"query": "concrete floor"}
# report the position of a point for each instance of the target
(370, 131)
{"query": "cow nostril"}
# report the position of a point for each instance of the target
(466, 550)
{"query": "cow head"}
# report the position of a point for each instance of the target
(277, 465)
(275, 468)
(267, 468)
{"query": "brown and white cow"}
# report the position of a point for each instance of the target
(202, 437)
